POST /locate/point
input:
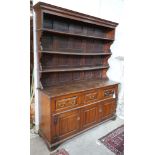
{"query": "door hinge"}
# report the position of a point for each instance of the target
(56, 138)
(55, 119)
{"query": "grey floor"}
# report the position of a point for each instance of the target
(84, 144)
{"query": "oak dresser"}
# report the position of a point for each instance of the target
(75, 92)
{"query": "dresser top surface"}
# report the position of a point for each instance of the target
(76, 87)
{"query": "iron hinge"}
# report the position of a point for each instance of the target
(56, 138)
(55, 119)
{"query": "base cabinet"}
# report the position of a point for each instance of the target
(70, 121)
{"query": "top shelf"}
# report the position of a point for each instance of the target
(73, 34)
(70, 14)
(75, 53)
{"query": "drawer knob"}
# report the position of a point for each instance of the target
(78, 118)
(92, 97)
(100, 110)
(73, 102)
(61, 105)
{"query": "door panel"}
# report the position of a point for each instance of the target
(89, 116)
(107, 109)
(67, 124)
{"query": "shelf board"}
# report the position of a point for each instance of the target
(74, 53)
(73, 34)
(73, 69)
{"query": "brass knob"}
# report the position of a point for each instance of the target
(73, 102)
(78, 118)
(61, 105)
(100, 110)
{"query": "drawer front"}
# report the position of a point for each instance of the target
(91, 97)
(67, 102)
(109, 93)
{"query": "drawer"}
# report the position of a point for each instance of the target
(109, 93)
(65, 102)
(91, 97)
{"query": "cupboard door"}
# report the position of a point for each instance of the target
(66, 124)
(89, 116)
(107, 109)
